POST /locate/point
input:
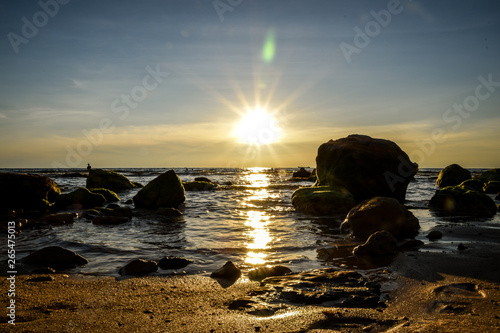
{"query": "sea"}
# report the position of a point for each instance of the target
(248, 220)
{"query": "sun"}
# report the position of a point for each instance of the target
(258, 127)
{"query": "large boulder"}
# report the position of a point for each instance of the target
(81, 198)
(110, 180)
(490, 175)
(378, 214)
(365, 166)
(165, 191)
(55, 256)
(26, 191)
(323, 200)
(452, 175)
(457, 201)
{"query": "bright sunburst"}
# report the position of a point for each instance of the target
(257, 126)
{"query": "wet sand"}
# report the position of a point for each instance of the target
(430, 290)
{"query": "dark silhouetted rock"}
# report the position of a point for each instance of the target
(169, 212)
(60, 218)
(472, 184)
(203, 179)
(497, 196)
(379, 243)
(366, 167)
(25, 191)
(456, 201)
(166, 190)
(80, 197)
(227, 272)
(452, 175)
(302, 173)
(322, 200)
(109, 195)
(490, 175)
(434, 235)
(492, 187)
(110, 220)
(138, 267)
(173, 262)
(199, 186)
(260, 273)
(55, 256)
(378, 214)
(110, 180)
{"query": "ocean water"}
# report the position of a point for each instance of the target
(251, 222)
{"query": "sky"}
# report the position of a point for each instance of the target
(161, 83)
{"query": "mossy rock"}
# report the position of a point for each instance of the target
(26, 191)
(110, 180)
(452, 175)
(108, 194)
(323, 200)
(456, 201)
(492, 187)
(490, 175)
(472, 184)
(166, 190)
(199, 186)
(80, 197)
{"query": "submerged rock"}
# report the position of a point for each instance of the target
(227, 272)
(138, 267)
(166, 190)
(322, 200)
(456, 201)
(110, 180)
(365, 166)
(173, 212)
(26, 191)
(55, 256)
(81, 197)
(379, 243)
(378, 214)
(199, 186)
(174, 262)
(452, 175)
(109, 195)
(492, 187)
(261, 273)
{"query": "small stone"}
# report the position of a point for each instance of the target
(434, 235)
(461, 247)
(138, 267)
(173, 262)
(228, 272)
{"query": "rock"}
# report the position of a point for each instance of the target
(174, 262)
(498, 196)
(379, 243)
(456, 201)
(168, 211)
(199, 186)
(60, 218)
(139, 267)
(260, 273)
(492, 187)
(166, 190)
(322, 200)
(378, 214)
(55, 256)
(90, 214)
(452, 175)
(472, 184)
(110, 180)
(227, 272)
(118, 211)
(434, 235)
(109, 195)
(461, 247)
(26, 191)
(109, 220)
(366, 167)
(129, 202)
(302, 173)
(80, 197)
(489, 175)
(203, 179)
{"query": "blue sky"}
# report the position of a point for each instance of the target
(70, 77)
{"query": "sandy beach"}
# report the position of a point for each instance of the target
(422, 291)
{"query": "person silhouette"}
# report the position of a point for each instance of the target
(88, 166)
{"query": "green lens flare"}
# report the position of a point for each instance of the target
(269, 48)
